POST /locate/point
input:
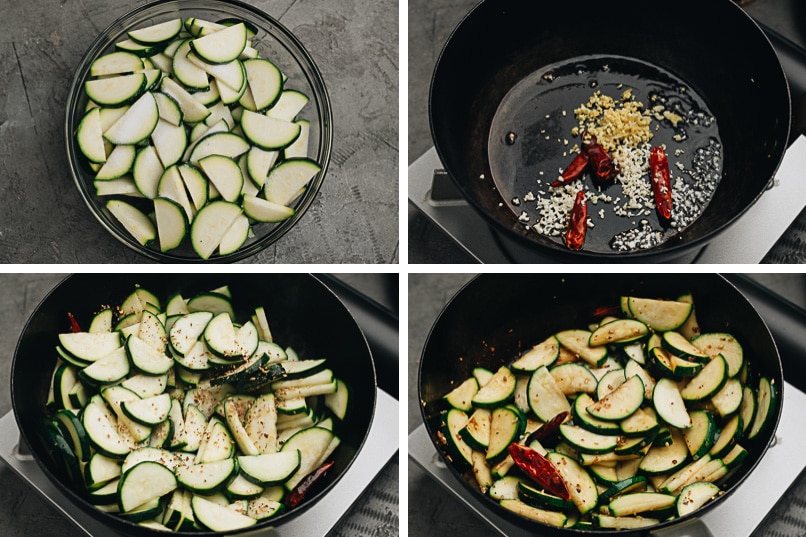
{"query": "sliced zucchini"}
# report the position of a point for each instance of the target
(118, 163)
(116, 90)
(747, 410)
(640, 502)
(660, 315)
(576, 341)
(225, 174)
(619, 331)
(268, 133)
(719, 343)
(265, 82)
(587, 442)
(149, 411)
(192, 110)
(265, 211)
(287, 178)
(500, 389)
(89, 136)
(586, 421)
(137, 123)
(677, 344)
(728, 399)
(621, 402)
(573, 378)
(708, 381)
(143, 483)
(222, 46)
(694, 496)
(207, 477)
(172, 223)
(545, 398)
(629, 485)
(288, 105)
(665, 459)
(552, 518)
(506, 426)
(145, 358)
(73, 431)
(108, 370)
(210, 225)
(477, 431)
(766, 407)
(270, 468)
(542, 354)
(313, 443)
(157, 33)
(170, 142)
(669, 404)
(116, 63)
(89, 347)
(133, 220)
(580, 484)
(700, 437)
(217, 517)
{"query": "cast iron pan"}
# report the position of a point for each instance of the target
(302, 312)
(496, 316)
(727, 64)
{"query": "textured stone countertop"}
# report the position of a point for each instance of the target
(354, 218)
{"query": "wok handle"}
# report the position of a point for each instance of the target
(792, 61)
(694, 527)
(379, 325)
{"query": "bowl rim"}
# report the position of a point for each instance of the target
(320, 99)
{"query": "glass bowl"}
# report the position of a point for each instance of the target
(275, 43)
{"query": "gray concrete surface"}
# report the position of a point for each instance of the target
(24, 513)
(354, 218)
(433, 511)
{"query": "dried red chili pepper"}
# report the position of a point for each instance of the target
(606, 311)
(574, 170)
(540, 469)
(296, 496)
(73, 323)
(661, 184)
(578, 223)
(602, 164)
(549, 429)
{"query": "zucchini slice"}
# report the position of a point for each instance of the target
(717, 343)
(669, 404)
(621, 402)
(268, 133)
(116, 90)
(156, 34)
(287, 179)
(217, 517)
(269, 468)
(708, 381)
(506, 426)
(700, 437)
(618, 331)
(225, 175)
(89, 347)
(545, 398)
(586, 441)
(265, 82)
(89, 136)
(496, 392)
(222, 46)
(144, 483)
(573, 378)
(660, 315)
(150, 411)
(265, 211)
(580, 484)
(665, 459)
(544, 353)
(108, 370)
(694, 496)
(289, 104)
(576, 341)
(172, 223)
(765, 408)
(477, 431)
(729, 398)
(137, 123)
(552, 518)
(677, 344)
(146, 358)
(187, 330)
(210, 225)
(461, 397)
(116, 63)
(640, 502)
(133, 220)
(207, 477)
(586, 421)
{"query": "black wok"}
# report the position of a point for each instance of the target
(303, 313)
(714, 47)
(495, 316)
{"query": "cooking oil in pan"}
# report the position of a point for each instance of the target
(631, 105)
